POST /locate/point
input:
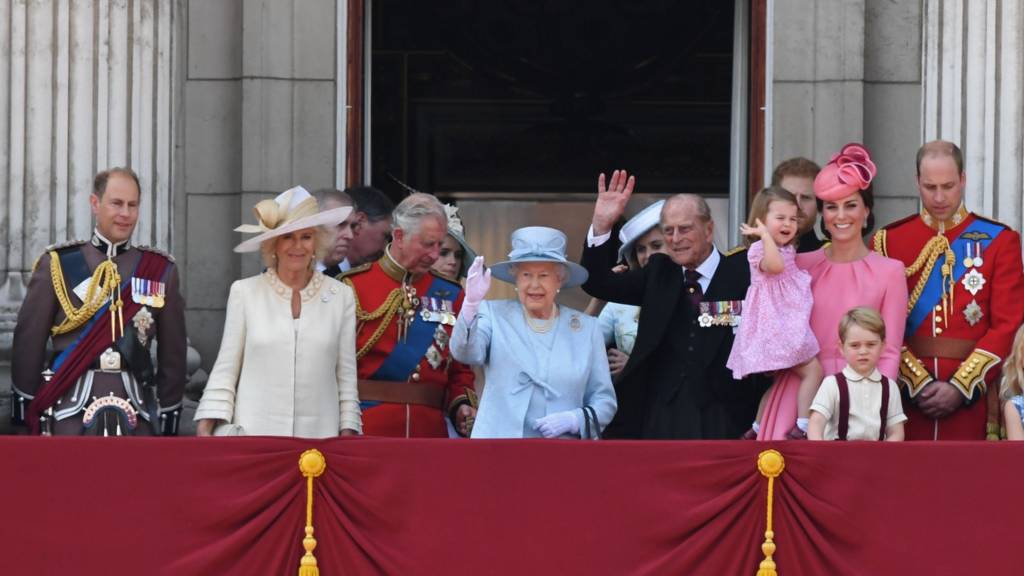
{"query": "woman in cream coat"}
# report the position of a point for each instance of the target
(287, 364)
(545, 364)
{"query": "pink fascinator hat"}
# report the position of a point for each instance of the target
(849, 171)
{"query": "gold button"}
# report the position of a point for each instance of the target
(938, 318)
(415, 376)
(938, 330)
(938, 308)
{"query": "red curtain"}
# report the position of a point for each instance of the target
(237, 506)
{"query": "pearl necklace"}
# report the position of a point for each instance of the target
(542, 326)
(285, 291)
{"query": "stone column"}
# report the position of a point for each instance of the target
(84, 85)
(974, 95)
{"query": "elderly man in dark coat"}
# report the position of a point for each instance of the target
(676, 384)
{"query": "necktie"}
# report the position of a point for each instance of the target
(694, 294)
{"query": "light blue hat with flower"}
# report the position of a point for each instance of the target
(539, 244)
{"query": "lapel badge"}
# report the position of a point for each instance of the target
(575, 323)
(143, 320)
(973, 281)
(973, 313)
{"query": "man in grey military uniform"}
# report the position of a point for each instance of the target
(102, 303)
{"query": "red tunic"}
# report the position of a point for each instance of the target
(374, 285)
(963, 338)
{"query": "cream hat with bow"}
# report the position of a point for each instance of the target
(293, 209)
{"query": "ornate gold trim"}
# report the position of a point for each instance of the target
(972, 370)
(955, 220)
(913, 374)
(880, 245)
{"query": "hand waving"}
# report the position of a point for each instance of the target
(758, 231)
(478, 282)
(611, 201)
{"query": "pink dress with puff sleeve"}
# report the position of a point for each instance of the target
(874, 281)
(775, 333)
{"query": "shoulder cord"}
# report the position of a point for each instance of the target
(386, 312)
(105, 282)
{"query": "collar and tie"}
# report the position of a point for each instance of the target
(691, 285)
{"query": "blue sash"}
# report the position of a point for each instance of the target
(405, 356)
(979, 230)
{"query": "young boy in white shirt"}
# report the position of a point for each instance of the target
(858, 403)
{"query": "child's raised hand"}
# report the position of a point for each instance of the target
(758, 231)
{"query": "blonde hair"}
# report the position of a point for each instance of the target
(1012, 383)
(762, 201)
(324, 242)
(867, 318)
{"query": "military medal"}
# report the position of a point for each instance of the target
(720, 313)
(978, 262)
(148, 292)
(973, 281)
(143, 320)
(968, 261)
(433, 357)
(973, 313)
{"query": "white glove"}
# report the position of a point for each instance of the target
(478, 282)
(557, 424)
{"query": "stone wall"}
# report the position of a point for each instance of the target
(850, 70)
(258, 118)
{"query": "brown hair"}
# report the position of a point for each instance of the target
(868, 196)
(99, 182)
(939, 148)
(762, 201)
(1012, 383)
(799, 167)
(867, 318)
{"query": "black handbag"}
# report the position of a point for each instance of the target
(591, 426)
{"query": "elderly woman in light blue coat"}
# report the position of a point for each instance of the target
(545, 364)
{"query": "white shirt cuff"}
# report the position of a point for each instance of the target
(593, 241)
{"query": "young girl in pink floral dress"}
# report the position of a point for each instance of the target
(775, 333)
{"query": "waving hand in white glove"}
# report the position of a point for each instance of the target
(557, 424)
(478, 281)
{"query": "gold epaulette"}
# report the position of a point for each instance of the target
(54, 248)
(879, 243)
(913, 374)
(971, 373)
(736, 250)
(156, 251)
(356, 270)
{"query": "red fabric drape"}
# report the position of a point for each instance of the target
(237, 506)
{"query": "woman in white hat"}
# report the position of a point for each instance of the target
(545, 365)
(456, 255)
(287, 360)
(640, 236)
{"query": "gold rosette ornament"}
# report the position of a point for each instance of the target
(771, 464)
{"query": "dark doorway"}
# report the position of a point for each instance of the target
(520, 96)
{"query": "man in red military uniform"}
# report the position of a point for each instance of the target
(966, 302)
(408, 380)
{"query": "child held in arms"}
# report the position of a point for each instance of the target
(858, 403)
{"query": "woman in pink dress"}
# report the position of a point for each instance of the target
(844, 274)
